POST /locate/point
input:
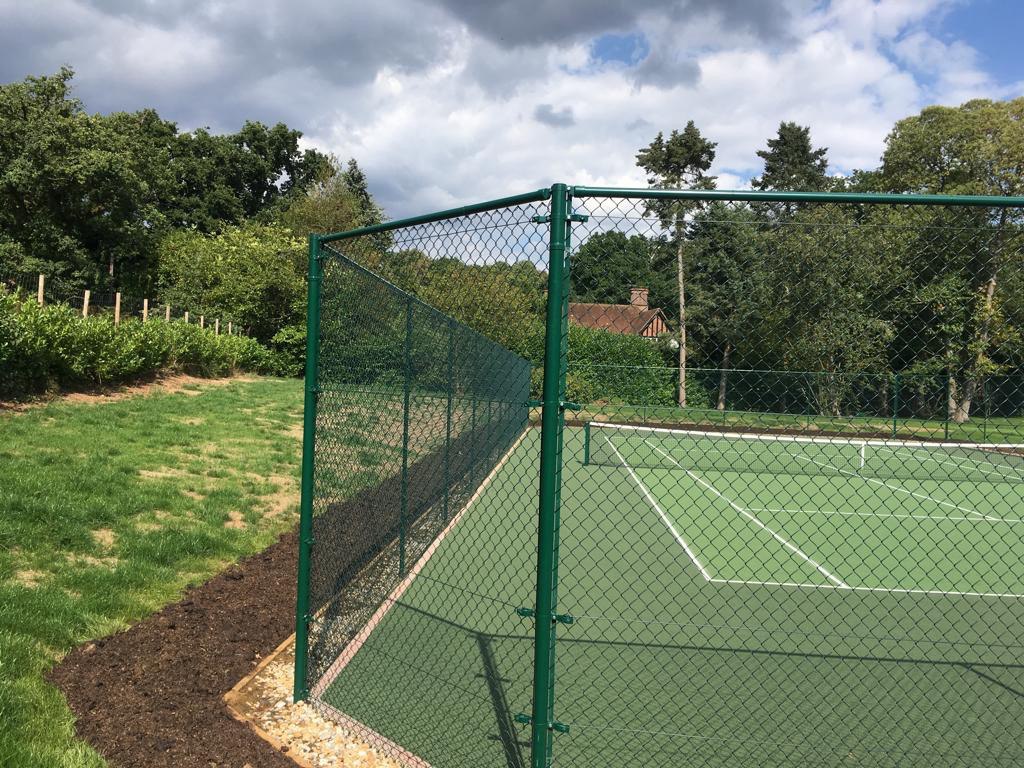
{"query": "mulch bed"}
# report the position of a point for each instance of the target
(152, 695)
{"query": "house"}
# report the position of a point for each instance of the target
(636, 318)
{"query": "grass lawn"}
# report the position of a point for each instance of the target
(109, 509)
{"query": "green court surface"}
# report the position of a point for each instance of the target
(721, 618)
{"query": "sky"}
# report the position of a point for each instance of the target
(444, 102)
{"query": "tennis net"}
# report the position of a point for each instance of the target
(609, 444)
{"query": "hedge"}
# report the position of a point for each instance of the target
(45, 348)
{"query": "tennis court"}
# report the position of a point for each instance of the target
(734, 599)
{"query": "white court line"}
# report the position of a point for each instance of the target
(891, 590)
(899, 489)
(980, 468)
(937, 518)
(791, 547)
(661, 513)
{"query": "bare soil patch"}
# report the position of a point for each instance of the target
(152, 695)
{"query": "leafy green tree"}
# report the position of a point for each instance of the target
(731, 287)
(355, 181)
(253, 274)
(977, 148)
(680, 162)
(792, 163)
(327, 205)
(828, 300)
(80, 194)
(608, 265)
(224, 179)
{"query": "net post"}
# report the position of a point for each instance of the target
(403, 514)
(552, 420)
(586, 443)
(302, 615)
(448, 415)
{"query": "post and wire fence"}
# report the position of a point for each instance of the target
(117, 305)
(656, 477)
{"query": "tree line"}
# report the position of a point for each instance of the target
(128, 202)
(932, 293)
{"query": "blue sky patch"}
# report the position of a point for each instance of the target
(626, 49)
(994, 28)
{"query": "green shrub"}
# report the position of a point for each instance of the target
(48, 347)
(618, 368)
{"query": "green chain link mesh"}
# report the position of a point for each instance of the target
(790, 511)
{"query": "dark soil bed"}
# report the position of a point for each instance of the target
(152, 695)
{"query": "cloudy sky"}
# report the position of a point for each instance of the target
(448, 101)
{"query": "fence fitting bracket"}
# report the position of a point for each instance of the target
(560, 618)
(554, 725)
(566, 405)
(578, 218)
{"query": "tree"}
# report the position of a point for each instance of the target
(730, 284)
(355, 181)
(253, 274)
(827, 314)
(680, 162)
(87, 197)
(79, 193)
(977, 148)
(327, 205)
(224, 179)
(608, 265)
(791, 163)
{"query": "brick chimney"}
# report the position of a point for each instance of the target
(638, 297)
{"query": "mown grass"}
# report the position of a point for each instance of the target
(110, 510)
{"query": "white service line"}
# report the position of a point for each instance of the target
(791, 547)
(936, 518)
(980, 468)
(891, 590)
(900, 489)
(661, 513)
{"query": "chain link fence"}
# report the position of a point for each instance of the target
(649, 477)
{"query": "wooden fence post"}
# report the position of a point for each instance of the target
(145, 309)
(167, 313)
(117, 308)
(85, 304)
(229, 327)
(216, 327)
(202, 321)
(186, 315)
(40, 294)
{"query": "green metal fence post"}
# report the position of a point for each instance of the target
(448, 415)
(586, 443)
(895, 404)
(472, 437)
(403, 513)
(552, 418)
(945, 406)
(302, 615)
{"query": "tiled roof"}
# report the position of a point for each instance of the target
(619, 318)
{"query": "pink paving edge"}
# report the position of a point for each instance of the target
(350, 650)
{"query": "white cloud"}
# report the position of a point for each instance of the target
(447, 101)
